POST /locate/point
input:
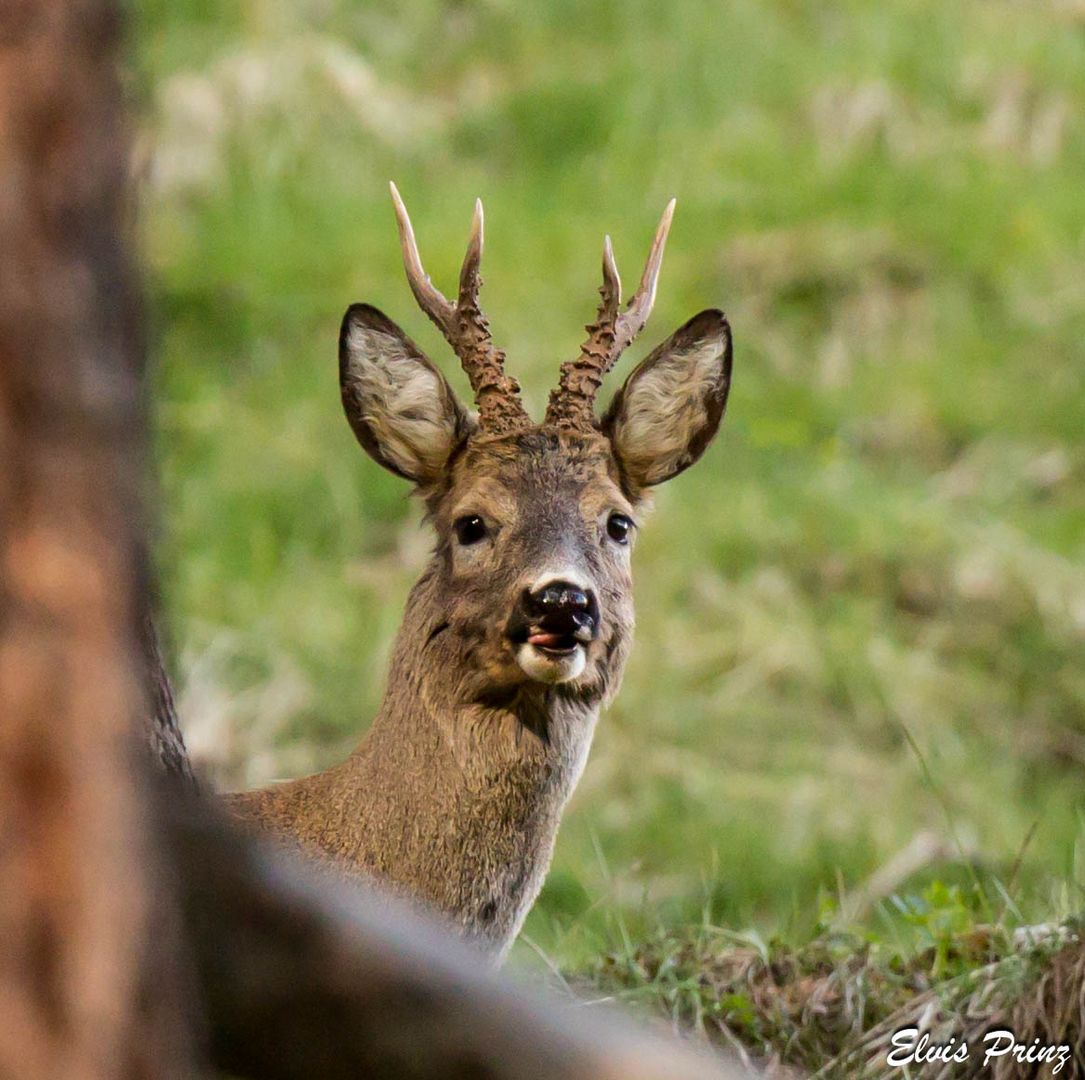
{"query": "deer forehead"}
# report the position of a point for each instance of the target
(506, 475)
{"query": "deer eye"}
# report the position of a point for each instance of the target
(619, 527)
(470, 529)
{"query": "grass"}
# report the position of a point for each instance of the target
(831, 1006)
(861, 619)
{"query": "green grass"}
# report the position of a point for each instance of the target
(863, 614)
(831, 1006)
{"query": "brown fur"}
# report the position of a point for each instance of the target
(455, 795)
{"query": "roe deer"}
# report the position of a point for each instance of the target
(518, 629)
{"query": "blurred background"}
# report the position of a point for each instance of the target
(861, 619)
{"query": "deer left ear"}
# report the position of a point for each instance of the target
(400, 406)
(670, 407)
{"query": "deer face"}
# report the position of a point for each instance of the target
(535, 522)
(533, 561)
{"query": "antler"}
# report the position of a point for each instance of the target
(465, 327)
(572, 403)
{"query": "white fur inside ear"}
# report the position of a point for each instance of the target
(403, 401)
(665, 408)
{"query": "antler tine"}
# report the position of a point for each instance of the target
(464, 325)
(470, 279)
(571, 404)
(611, 289)
(430, 299)
(631, 323)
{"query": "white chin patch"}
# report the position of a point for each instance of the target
(546, 667)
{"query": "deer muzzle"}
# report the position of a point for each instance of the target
(552, 629)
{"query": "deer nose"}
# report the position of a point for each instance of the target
(561, 607)
(558, 596)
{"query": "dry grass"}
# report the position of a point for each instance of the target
(831, 1007)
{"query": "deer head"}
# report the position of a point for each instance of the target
(530, 582)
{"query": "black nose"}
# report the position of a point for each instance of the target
(562, 608)
(557, 597)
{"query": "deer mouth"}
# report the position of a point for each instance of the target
(554, 649)
(554, 644)
(561, 632)
(562, 635)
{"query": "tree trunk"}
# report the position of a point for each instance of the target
(77, 897)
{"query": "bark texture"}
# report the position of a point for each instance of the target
(77, 897)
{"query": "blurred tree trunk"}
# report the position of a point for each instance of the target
(140, 934)
(77, 899)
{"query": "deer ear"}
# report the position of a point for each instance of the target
(670, 407)
(400, 406)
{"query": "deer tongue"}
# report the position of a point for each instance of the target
(550, 641)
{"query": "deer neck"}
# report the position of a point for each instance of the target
(441, 705)
(455, 795)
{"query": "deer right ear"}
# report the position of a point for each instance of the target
(400, 406)
(668, 411)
